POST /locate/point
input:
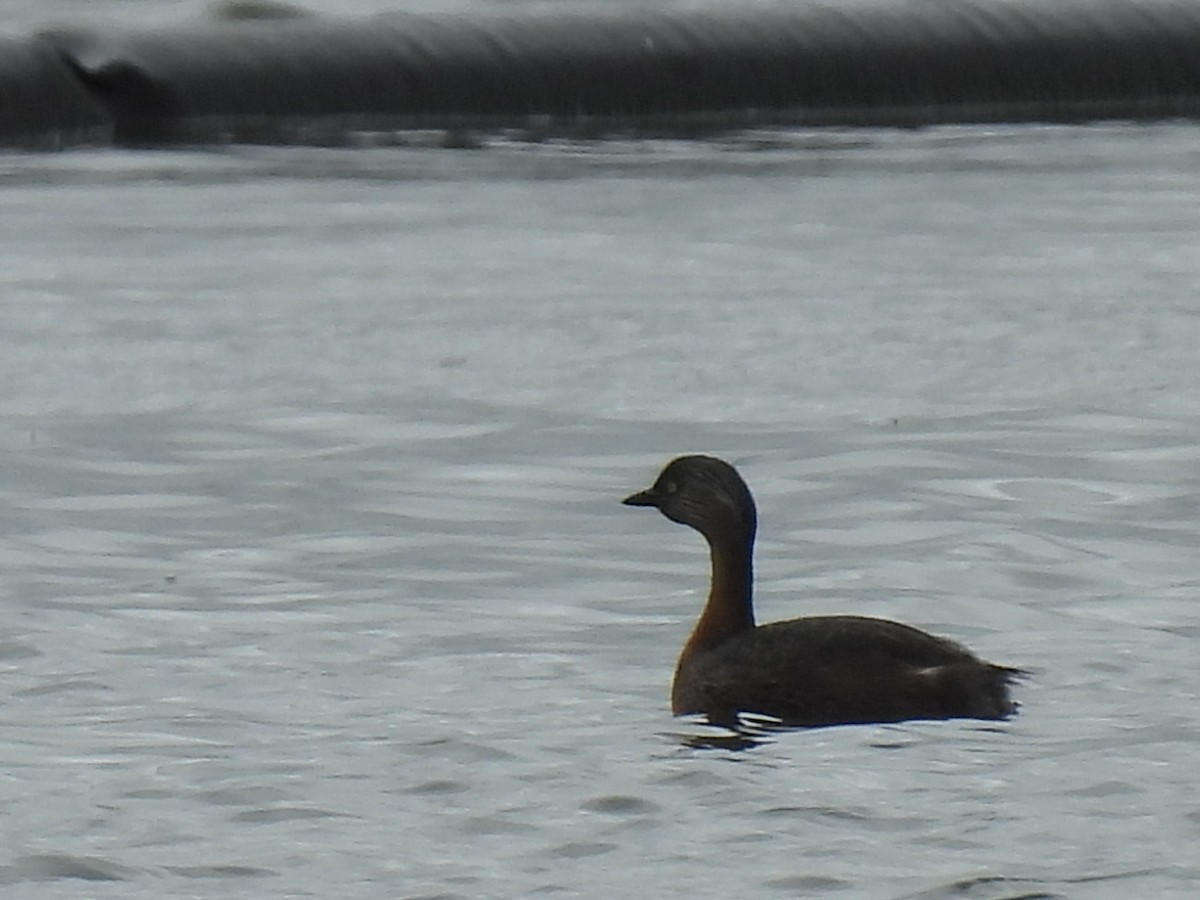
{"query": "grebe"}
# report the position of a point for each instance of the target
(816, 670)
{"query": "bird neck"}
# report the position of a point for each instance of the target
(730, 606)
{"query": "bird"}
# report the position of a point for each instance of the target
(811, 671)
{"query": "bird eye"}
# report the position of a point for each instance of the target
(670, 487)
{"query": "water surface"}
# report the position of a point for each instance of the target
(316, 579)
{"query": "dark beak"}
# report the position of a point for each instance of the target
(648, 497)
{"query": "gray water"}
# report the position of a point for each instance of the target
(316, 583)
